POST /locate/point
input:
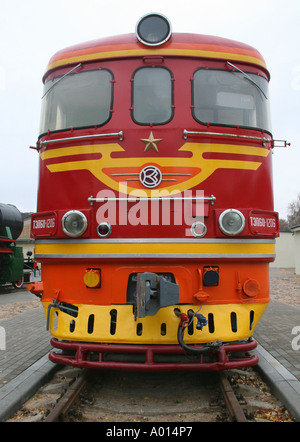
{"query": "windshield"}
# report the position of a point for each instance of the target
(152, 95)
(229, 98)
(79, 100)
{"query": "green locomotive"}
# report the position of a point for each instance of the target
(11, 255)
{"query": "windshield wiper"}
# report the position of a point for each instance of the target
(248, 78)
(61, 78)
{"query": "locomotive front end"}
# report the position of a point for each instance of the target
(155, 224)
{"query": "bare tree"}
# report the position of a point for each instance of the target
(293, 215)
(283, 225)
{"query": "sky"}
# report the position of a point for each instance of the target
(31, 31)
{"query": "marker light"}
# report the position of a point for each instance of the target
(153, 29)
(198, 229)
(74, 223)
(104, 230)
(231, 222)
(251, 288)
(92, 278)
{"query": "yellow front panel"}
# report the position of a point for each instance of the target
(158, 329)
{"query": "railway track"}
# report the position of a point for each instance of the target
(235, 395)
(62, 408)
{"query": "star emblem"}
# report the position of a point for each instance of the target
(151, 142)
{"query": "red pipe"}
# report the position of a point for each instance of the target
(221, 360)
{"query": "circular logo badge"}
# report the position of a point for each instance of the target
(150, 176)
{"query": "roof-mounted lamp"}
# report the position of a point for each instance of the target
(153, 29)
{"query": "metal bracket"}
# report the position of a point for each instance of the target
(63, 307)
(281, 143)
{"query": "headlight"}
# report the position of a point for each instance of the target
(153, 29)
(231, 222)
(74, 223)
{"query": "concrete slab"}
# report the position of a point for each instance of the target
(284, 385)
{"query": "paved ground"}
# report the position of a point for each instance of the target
(282, 317)
(26, 341)
(285, 286)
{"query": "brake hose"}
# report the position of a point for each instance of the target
(184, 323)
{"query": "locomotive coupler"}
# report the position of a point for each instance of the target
(154, 291)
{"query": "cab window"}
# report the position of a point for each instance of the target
(230, 98)
(152, 95)
(78, 100)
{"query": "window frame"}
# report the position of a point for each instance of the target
(172, 107)
(110, 112)
(205, 123)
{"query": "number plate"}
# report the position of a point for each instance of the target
(263, 223)
(43, 224)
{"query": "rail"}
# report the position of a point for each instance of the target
(83, 137)
(264, 140)
(64, 404)
(235, 410)
(211, 198)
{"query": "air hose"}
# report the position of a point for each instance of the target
(186, 320)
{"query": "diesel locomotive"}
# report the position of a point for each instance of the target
(155, 223)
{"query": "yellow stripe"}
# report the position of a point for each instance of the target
(176, 249)
(205, 166)
(140, 52)
(115, 147)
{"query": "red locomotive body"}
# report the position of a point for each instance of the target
(155, 224)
